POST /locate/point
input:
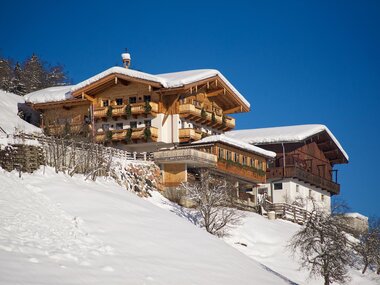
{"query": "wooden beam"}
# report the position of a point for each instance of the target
(234, 110)
(215, 92)
(88, 97)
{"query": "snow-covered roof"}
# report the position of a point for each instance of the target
(118, 70)
(233, 142)
(356, 215)
(51, 94)
(284, 134)
(166, 80)
(178, 79)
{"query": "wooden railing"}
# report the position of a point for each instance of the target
(120, 135)
(189, 134)
(240, 170)
(288, 212)
(56, 130)
(120, 110)
(292, 171)
(209, 116)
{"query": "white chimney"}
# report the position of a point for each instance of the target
(126, 59)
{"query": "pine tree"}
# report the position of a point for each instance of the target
(6, 74)
(17, 86)
(33, 74)
(56, 76)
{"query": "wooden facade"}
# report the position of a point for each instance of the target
(305, 161)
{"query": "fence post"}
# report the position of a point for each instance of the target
(144, 156)
(134, 155)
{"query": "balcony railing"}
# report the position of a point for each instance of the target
(209, 116)
(121, 135)
(292, 171)
(186, 135)
(186, 155)
(120, 110)
(243, 171)
(61, 129)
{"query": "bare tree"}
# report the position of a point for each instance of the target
(323, 248)
(368, 247)
(212, 198)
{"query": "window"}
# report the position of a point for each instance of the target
(260, 164)
(119, 126)
(106, 127)
(322, 197)
(105, 103)
(228, 155)
(277, 186)
(297, 188)
(236, 157)
(221, 153)
(146, 98)
(132, 100)
(119, 101)
(148, 123)
(244, 160)
(133, 125)
(309, 193)
(252, 162)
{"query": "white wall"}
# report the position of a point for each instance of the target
(298, 191)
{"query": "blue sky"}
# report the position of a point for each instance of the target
(297, 62)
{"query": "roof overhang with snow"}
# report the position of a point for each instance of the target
(299, 134)
(235, 143)
(217, 85)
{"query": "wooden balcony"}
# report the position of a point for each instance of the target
(292, 171)
(243, 172)
(100, 112)
(186, 135)
(189, 156)
(209, 116)
(120, 135)
(56, 130)
(120, 110)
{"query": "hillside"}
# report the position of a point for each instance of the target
(266, 241)
(9, 120)
(55, 229)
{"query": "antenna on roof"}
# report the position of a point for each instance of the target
(126, 56)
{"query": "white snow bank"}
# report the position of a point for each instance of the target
(282, 134)
(51, 94)
(10, 122)
(55, 229)
(236, 143)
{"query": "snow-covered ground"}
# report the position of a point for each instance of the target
(266, 241)
(55, 229)
(9, 121)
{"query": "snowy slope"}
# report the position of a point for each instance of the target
(266, 243)
(55, 229)
(9, 120)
